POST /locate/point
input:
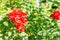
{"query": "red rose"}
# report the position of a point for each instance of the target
(56, 15)
(19, 18)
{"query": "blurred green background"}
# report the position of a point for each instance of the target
(39, 26)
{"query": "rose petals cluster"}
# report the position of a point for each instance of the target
(19, 18)
(56, 15)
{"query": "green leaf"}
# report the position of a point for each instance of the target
(5, 23)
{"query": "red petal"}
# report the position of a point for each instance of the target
(23, 20)
(20, 27)
(52, 15)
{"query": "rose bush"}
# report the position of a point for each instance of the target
(39, 25)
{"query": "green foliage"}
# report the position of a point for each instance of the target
(39, 26)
